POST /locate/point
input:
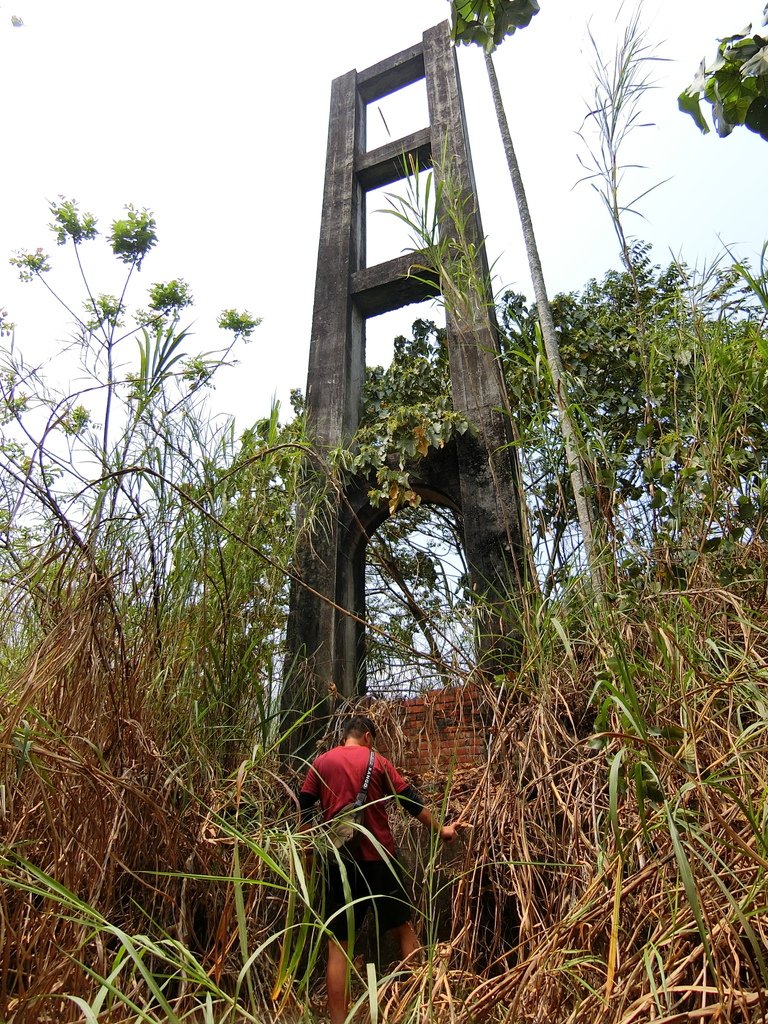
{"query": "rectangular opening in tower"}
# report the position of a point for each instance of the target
(400, 218)
(397, 115)
(381, 331)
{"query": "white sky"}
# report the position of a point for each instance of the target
(214, 116)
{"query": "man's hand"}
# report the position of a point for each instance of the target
(448, 833)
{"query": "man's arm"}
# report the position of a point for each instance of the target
(306, 809)
(412, 802)
(446, 832)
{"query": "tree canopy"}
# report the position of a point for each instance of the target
(489, 22)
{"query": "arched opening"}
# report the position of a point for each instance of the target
(418, 610)
(405, 575)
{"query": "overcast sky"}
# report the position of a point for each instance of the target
(214, 116)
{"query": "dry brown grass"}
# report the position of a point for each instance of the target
(566, 900)
(96, 798)
(560, 915)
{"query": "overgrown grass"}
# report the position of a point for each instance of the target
(614, 864)
(613, 868)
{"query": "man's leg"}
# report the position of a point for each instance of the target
(406, 936)
(336, 981)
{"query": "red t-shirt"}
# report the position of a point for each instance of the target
(336, 777)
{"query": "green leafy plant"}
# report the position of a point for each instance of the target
(132, 236)
(407, 410)
(735, 85)
(489, 22)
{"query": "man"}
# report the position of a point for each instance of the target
(336, 778)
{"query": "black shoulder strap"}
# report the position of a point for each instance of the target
(362, 796)
(368, 772)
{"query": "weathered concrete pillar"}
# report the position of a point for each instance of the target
(491, 490)
(479, 475)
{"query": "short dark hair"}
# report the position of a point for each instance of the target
(358, 725)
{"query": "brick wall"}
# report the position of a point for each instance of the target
(434, 732)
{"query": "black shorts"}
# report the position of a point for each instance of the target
(375, 885)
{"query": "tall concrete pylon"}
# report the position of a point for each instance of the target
(477, 475)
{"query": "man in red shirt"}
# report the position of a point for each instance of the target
(335, 779)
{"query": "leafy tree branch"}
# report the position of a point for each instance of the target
(735, 85)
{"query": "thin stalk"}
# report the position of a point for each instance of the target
(620, 88)
(110, 378)
(579, 478)
(88, 289)
(61, 301)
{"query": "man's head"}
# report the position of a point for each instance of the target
(359, 728)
